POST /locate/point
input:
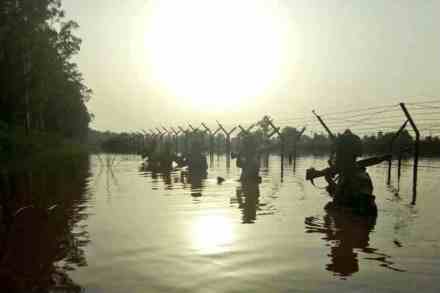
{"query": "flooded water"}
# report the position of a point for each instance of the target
(122, 229)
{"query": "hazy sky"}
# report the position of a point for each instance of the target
(153, 62)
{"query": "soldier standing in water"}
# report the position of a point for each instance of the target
(348, 147)
(248, 160)
(196, 159)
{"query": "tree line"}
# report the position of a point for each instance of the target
(42, 89)
(316, 143)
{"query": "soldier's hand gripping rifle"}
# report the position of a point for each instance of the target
(312, 173)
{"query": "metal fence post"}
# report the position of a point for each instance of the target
(416, 151)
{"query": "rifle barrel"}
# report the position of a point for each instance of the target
(313, 174)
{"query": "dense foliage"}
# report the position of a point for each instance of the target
(42, 89)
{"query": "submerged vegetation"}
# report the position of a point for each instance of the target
(43, 96)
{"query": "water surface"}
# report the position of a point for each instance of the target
(153, 232)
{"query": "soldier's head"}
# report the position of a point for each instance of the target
(350, 143)
(348, 132)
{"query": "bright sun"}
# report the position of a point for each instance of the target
(217, 54)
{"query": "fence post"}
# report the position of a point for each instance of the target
(282, 141)
(161, 135)
(330, 134)
(393, 139)
(195, 130)
(144, 142)
(416, 151)
(211, 139)
(208, 130)
(176, 138)
(228, 140)
(185, 132)
(399, 166)
(295, 145)
(153, 136)
(167, 134)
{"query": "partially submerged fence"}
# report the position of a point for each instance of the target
(363, 121)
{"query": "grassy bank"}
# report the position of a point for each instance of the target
(16, 146)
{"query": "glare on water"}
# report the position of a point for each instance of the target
(211, 234)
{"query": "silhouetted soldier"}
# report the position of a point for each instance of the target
(167, 155)
(348, 147)
(161, 158)
(353, 181)
(248, 159)
(196, 159)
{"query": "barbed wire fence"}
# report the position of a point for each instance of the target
(420, 119)
(362, 121)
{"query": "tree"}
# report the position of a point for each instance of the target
(40, 82)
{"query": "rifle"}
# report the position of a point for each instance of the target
(312, 173)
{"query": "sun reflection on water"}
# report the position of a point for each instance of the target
(212, 234)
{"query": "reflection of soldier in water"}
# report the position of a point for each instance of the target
(345, 233)
(195, 179)
(166, 177)
(248, 200)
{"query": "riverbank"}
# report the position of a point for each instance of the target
(17, 147)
